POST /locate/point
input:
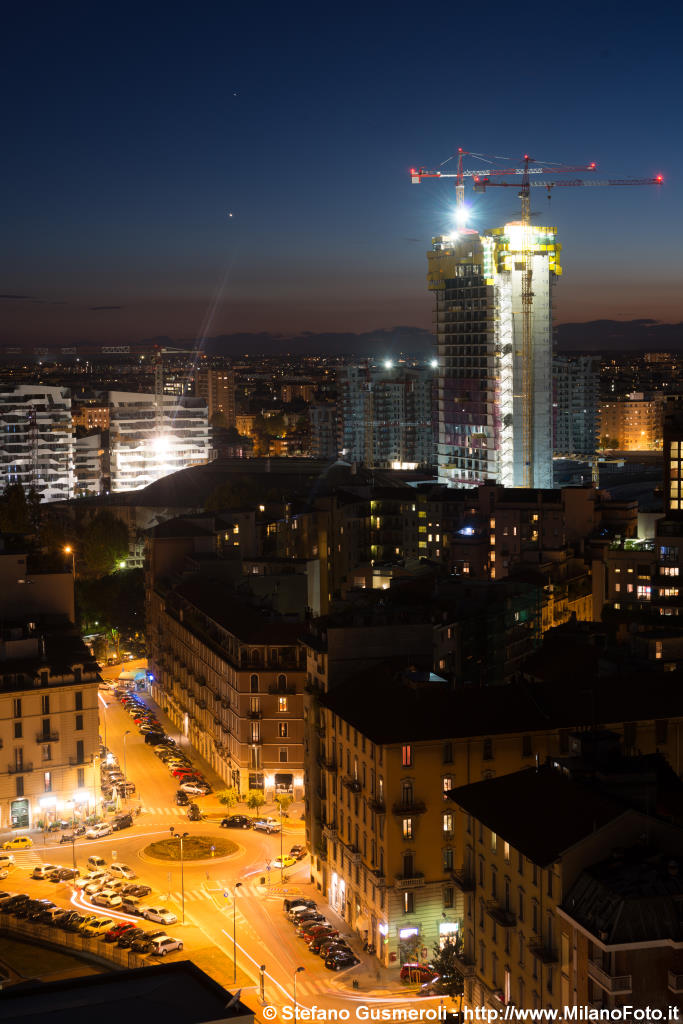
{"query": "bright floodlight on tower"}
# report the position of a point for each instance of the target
(434, 363)
(388, 364)
(162, 444)
(461, 216)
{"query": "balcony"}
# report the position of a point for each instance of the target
(254, 713)
(17, 769)
(413, 881)
(377, 805)
(328, 763)
(352, 854)
(544, 952)
(47, 737)
(615, 984)
(408, 808)
(282, 691)
(330, 832)
(352, 784)
(466, 966)
(503, 916)
(675, 983)
(201, 704)
(464, 879)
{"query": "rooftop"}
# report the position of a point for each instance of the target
(248, 623)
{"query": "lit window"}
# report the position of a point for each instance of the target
(282, 703)
(407, 755)
(407, 828)
(644, 593)
(448, 822)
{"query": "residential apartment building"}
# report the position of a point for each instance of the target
(217, 388)
(387, 844)
(231, 678)
(36, 440)
(91, 417)
(323, 420)
(576, 384)
(147, 442)
(385, 415)
(89, 465)
(634, 424)
(524, 842)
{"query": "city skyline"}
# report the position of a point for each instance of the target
(167, 186)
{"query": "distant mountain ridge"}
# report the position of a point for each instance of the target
(620, 335)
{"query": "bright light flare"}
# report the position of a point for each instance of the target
(162, 444)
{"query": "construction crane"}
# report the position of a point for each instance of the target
(480, 182)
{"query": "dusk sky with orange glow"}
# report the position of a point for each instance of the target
(198, 170)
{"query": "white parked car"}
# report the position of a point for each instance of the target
(43, 870)
(91, 877)
(164, 944)
(107, 898)
(121, 871)
(160, 914)
(99, 831)
(195, 788)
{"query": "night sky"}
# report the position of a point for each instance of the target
(132, 132)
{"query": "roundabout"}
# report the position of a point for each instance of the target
(197, 848)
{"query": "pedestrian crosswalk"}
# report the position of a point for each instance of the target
(166, 812)
(193, 895)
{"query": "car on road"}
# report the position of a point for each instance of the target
(122, 871)
(165, 944)
(122, 821)
(137, 890)
(96, 863)
(298, 852)
(417, 973)
(268, 825)
(99, 831)
(285, 862)
(73, 834)
(6, 860)
(160, 914)
(106, 898)
(236, 821)
(181, 798)
(18, 843)
(193, 813)
(126, 788)
(98, 927)
(339, 961)
(41, 871)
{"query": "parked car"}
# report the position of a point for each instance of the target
(328, 946)
(298, 901)
(115, 933)
(98, 927)
(317, 940)
(91, 876)
(126, 788)
(64, 874)
(164, 944)
(43, 870)
(131, 905)
(6, 860)
(122, 821)
(96, 863)
(106, 898)
(307, 917)
(121, 871)
(50, 916)
(160, 914)
(143, 944)
(5, 897)
(298, 852)
(18, 843)
(312, 925)
(99, 831)
(338, 961)
(153, 736)
(137, 890)
(196, 788)
(126, 940)
(301, 908)
(15, 900)
(268, 825)
(73, 834)
(236, 821)
(66, 918)
(36, 907)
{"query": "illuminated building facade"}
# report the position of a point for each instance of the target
(147, 443)
(36, 440)
(576, 395)
(484, 378)
(632, 425)
(217, 388)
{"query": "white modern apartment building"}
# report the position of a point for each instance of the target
(147, 442)
(36, 440)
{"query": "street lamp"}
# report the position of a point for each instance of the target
(282, 863)
(95, 765)
(262, 983)
(125, 773)
(69, 550)
(182, 868)
(237, 886)
(297, 971)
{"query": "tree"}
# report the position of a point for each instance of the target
(104, 543)
(255, 799)
(285, 802)
(228, 797)
(446, 962)
(610, 443)
(15, 511)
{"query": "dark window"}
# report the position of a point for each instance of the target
(17, 707)
(46, 728)
(80, 757)
(80, 777)
(43, 677)
(46, 704)
(526, 746)
(254, 684)
(448, 896)
(20, 785)
(79, 700)
(447, 753)
(17, 730)
(79, 723)
(408, 903)
(661, 730)
(487, 752)
(282, 682)
(78, 674)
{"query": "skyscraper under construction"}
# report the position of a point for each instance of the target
(495, 370)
